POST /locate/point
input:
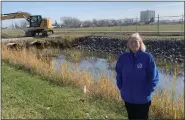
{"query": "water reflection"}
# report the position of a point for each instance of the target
(98, 67)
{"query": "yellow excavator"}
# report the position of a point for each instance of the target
(37, 24)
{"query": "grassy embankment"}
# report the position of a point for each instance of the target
(29, 96)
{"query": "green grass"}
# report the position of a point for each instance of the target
(91, 30)
(28, 96)
(12, 33)
(162, 27)
(176, 27)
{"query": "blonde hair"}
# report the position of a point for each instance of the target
(138, 37)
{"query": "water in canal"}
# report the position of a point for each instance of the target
(98, 64)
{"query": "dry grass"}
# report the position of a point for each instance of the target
(163, 107)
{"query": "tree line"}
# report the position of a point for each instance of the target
(72, 22)
(75, 22)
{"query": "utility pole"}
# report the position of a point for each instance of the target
(136, 24)
(182, 23)
(12, 24)
(158, 25)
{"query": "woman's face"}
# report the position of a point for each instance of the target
(134, 44)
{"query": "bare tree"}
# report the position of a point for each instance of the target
(24, 24)
(16, 26)
(94, 23)
(86, 23)
(70, 21)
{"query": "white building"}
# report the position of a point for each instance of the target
(145, 16)
(128, 20)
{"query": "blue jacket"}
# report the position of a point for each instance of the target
(137, 76)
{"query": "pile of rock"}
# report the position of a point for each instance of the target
(170, 49)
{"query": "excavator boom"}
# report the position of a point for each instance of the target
(15, 15)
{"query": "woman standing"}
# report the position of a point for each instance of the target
(137, 77)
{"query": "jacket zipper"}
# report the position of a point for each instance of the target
(133, 76)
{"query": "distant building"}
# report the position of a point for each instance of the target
(147, 15)
(128, 21)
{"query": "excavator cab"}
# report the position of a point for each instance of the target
(35, 21)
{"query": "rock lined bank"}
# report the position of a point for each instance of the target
(169, 49)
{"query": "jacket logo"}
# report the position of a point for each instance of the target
(139, 65)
